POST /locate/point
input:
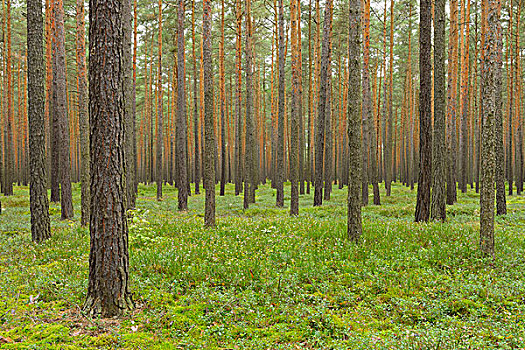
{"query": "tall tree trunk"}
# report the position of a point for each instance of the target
(83, 112)
(463, 139)
(452, 103)
(108, 289)
(488, 139)
(389, 159)
(238, 99)
(251, 177)
(9, 148)
(425, 135)
(294, 122)
(355, 226)
(160, 112)
(60, 110)
(222, 98)
(129, 102)
(501, 202)
(182, 127)
(197, 159)
(40, 226)
(209, 134)
(438, 210)
(322, 105)
(279, 171)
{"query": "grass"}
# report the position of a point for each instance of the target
(263, 280)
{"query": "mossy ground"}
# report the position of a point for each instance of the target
(263, 280)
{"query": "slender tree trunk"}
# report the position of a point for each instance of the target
(209, 137)
(452, 103)
(9, 148)
(60, 109)
(40, 226)
(222, 98)
(501, 202)
(323, 98)
(182, 127)
(83, 112)
(238, 99)
(355, 226)
(196, 133)
(160, 113)
(294, 130)
(251, 177)
(129, 102)
(488, 139)
(438, 210)
(425, 136)
(108, 287)
(279, 171)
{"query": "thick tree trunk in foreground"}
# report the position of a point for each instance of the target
(108, 290)
(40, 227)
(355, 226)
(438, 210)
(452, 103)
(209, 134)
(425, 135)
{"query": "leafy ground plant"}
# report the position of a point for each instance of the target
(263, 280)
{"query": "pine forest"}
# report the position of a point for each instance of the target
(262, 174)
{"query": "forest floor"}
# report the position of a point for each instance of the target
(263, 280)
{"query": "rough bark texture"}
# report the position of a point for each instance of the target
(438, 210)
(321, 113)
(182, 178)
(40, 226)
(488, 130)
(83, 116)
(355, 226)
(209, 134)
(279, 171)
(425, 122)
(108, 290)
(61, 116)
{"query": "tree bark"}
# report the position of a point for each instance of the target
(209, 134)
(488, 139)
(438, 210)
(108, 287)
(425, 135)
(83, 112)
(61, 115)
(279, 171)
(160, 114)
(355, 226)
(182, 127)
(40, 226)
(322, 104)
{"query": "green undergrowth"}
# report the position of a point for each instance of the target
(263, 280)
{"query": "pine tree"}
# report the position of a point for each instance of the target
(40, 224)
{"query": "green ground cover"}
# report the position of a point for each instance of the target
(263, 280)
